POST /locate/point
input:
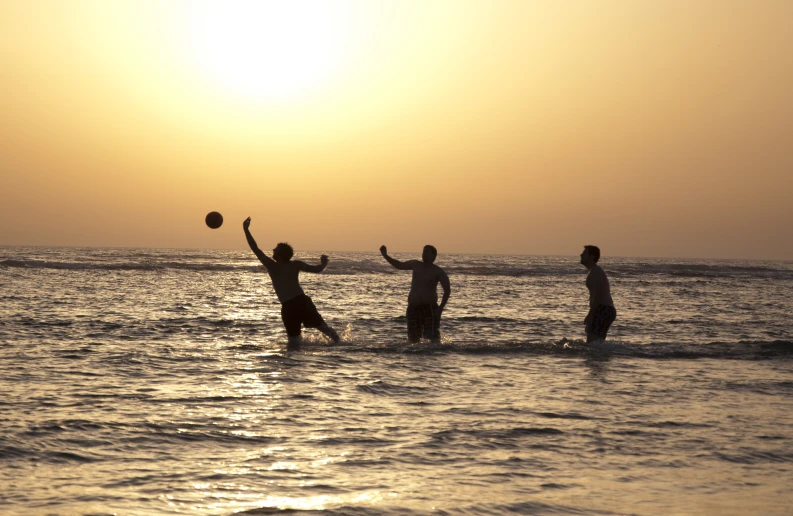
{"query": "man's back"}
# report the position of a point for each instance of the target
(284, 275)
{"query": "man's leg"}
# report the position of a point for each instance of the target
(600, 322)
(413, 317)
(431, 322)
(312, 319)
(329, 332)
(609, 316)
(589, 326)
(436, 318)
(290, 314)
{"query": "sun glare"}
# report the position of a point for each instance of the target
(268, 49)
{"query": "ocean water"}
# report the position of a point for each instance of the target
(157, 381)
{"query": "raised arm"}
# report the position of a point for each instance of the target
(314, 268)
(404, 266)
(447, 288)
(266, 260)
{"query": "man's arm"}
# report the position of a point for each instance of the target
(314, 268)
(447, 288)
(266, 260)
(403, 266)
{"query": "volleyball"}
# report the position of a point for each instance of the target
(214, 220)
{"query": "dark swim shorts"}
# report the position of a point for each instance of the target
(423, 321)
(600, 320)
(299, 311)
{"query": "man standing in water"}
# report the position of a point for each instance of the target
(601, 306)
(423, 314)
(297, 309)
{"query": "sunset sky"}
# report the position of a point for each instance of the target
(649, 128)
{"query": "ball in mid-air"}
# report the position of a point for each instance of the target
(214, 220)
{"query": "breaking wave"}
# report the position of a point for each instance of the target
(781, 270)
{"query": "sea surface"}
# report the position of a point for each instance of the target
(158, 381)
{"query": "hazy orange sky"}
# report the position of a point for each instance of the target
(650, 128)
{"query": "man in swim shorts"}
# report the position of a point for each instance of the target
(601, 306)
(297, 309)
(423, 313)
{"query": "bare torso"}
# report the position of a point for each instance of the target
(598, 285)
(285, 279)
(424, 286)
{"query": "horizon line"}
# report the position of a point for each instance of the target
(783, 260)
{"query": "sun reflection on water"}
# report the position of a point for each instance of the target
(316, 503)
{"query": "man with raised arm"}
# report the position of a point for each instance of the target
(297, 309)
(601, 306)
(423, 314)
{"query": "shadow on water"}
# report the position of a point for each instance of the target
(598, 365)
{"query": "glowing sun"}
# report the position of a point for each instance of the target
(268, 49)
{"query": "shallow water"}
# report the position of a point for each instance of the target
(156, 381)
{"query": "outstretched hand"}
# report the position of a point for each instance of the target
(324, 259)
(246, 224)
(383, 250)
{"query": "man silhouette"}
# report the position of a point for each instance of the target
(297, 309)
(601, 306)
(423, 313)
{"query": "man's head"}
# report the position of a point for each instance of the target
(283, 252)
(429, 254)
(590, 256)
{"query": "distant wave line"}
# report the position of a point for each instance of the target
(345, 267)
